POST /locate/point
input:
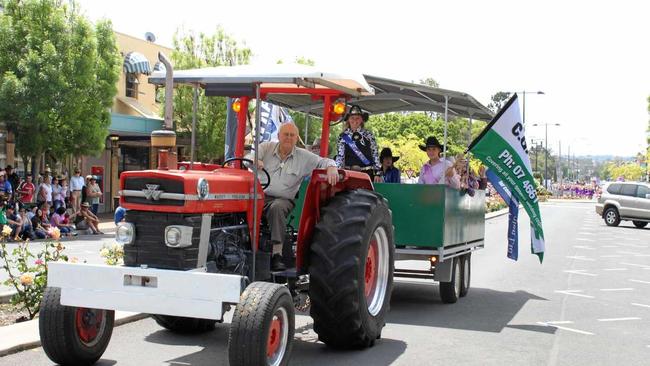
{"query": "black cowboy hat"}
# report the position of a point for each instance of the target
(431, 142)
(385, 153)
(356, 110)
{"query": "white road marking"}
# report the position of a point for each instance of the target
(628, 253)
(614, 269)
(560, 322)
(581, 272)
(617, 319)
(609, 246)
(584, 247)
(581, 258)
(586, 233)
(641, 281)
(565, 328)
(611, 256)
(574, 293)
(641, 305)
(617, 289)
(636, 265)
(585, 239)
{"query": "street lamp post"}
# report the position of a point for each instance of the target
(546, 149)
(523, 104)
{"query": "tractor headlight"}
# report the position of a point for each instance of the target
(125, 233)
(202, 188)
(177, 236)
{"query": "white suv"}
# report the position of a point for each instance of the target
(625, 201)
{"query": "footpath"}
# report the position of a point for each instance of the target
(22, 336)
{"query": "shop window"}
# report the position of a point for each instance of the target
(133, 158)
(132, 85)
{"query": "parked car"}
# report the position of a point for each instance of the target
(622, 201)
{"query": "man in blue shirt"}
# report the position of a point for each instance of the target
(388, 171)
(5, 186)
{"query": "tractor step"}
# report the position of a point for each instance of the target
(288, 273)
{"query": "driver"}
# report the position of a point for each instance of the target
(287, 166)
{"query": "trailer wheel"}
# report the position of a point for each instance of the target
(351, 269)
(183, 325)
(466, 274)
(450, 291)
(72, 335)
(640, 224)
(262, 326)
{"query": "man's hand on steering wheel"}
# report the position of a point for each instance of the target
(260, 167)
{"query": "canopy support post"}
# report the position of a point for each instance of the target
(444, 153)
(195, 101)
(307, 127)
(256, 144)
(325, 134)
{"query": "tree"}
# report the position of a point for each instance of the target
(58, 78)
(192, 51)
(498, 100)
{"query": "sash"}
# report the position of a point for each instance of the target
(348, 141)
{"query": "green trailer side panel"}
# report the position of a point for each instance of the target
(425, 215)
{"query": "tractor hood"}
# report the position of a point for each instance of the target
(188, 191)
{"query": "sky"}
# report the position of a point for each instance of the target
(590, 58)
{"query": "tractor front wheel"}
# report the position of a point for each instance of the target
(262, 326)
(351, 269)
(72, 335)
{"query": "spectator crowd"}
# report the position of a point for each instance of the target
(34, 208)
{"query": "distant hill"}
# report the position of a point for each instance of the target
(602, 158)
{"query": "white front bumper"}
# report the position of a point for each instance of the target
(153, 291)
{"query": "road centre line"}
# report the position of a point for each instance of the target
(565, 328)
(635, 265)
(574, 293)
(585, 233)
(640, 281)
(617, 319)
(618, 289)
(609, 246)
(641, 305)
(580, 272)
(614, 269)
(584, 247)
(585, 239)
(611, 256)
(560, 322)
(580, 258)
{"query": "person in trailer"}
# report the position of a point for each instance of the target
(388, 172)
(436, 170)
(357, 147)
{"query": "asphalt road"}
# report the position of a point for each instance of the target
(587, 304)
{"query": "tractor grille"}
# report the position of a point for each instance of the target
(165, 185)
(149, 247)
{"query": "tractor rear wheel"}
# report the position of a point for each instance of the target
(351, 269)
(72, 335)
(183, 325)
(263, 326)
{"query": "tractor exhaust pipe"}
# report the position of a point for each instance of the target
(165, 139)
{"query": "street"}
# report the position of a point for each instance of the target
(587, 304)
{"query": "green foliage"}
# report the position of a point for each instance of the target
(58, 77)
(192, 51)
(498, 100)
(27, 272)
(628, 171)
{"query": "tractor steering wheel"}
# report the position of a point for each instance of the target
(244, 160)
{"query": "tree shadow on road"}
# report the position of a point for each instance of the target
(483, 310)
(306, 349)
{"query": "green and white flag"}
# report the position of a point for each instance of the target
(502, 148)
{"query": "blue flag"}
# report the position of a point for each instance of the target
(513, 216)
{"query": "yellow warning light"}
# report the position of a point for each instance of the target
(236, 105)
(339, 107)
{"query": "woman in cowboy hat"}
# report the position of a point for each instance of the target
(437, 171)
(389, 173)
(357, 148)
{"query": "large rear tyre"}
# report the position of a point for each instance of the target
(450, 291)
(262, 326)
(640, 224)
(351, 269)
(611, 216)
(183, 325)
(465, 274)
(71, 335)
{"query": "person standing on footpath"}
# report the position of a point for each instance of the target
(76, 185)
(26, 190)
(94, 193)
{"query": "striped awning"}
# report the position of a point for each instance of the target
(159, 66)
(135, 62)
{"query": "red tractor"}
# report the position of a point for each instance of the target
(195, 242)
